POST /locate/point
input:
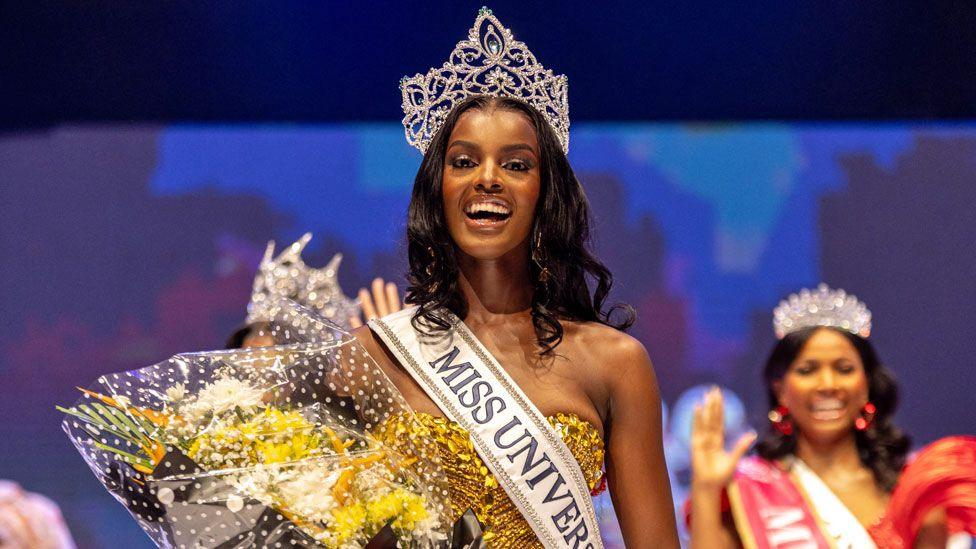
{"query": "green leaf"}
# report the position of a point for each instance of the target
(145, 426)
(105, 412)
(86, 413)
(131, 458)
(93, 420)
(95, 416)
(93, 431)
(111, 424)
(126, 420)
(76, 413)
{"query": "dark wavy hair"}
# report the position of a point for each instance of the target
(562, 227)
(236, 339)
(882, 447)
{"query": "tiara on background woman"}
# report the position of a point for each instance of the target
(287, 276)
(821, 307)
(489, 62)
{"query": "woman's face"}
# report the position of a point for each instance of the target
(491, 182)
(825, 388)
(258, 335)
(257, 339)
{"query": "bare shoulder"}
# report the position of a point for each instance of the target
(606, 345)
(618, 358)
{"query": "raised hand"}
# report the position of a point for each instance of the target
(383, 300)
(711, 466)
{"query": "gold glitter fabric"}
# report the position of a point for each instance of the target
(471, 484)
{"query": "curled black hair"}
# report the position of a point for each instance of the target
(240, 335)
(236, 339)
(882, 447)
(562, 227)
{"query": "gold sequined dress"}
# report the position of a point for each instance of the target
(471, 484)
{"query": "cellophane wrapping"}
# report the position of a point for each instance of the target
(266, 447)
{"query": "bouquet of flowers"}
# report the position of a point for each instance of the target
(269, 447)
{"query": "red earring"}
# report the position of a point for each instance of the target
(867, 417)
(779, 417)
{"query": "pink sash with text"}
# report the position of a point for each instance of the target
(770, 511)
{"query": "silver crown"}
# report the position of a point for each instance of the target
(821, 307)
(287, 276)
(489, 62)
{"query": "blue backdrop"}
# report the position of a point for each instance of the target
(124, 244)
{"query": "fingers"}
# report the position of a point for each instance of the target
(708, 411)
(710, 418)
(718, 408)
(393, 297)
(366, 303)
(379, 297)
(743, 444)
(355, 322)
(706, 407)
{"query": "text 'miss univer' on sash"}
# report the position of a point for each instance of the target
(530, 460)
(787, 509)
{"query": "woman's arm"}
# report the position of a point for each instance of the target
(710, 526)
(934, 531)
(711, 471)
(636, 472)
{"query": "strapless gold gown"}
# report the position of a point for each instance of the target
(471, 484)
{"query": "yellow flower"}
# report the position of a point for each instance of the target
(194, 448)
(405, 508)
(297, 447)
(271, 436)
(348, 522)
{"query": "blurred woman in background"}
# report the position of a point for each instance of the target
(830, 470)
(30, 521)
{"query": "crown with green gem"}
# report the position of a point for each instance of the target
(490, 62)
(821, 307)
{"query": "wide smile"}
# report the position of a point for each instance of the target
(486, 214)
(828, 409)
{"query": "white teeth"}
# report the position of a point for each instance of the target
(827, 409)
(827, 415)
(489, 207)
(828, 405)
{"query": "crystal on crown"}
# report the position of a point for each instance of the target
(821, 307)
(287, 276)
(489, 62)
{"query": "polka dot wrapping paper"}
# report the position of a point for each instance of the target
(265, 447)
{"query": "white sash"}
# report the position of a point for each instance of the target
(838, 521)
(530, 460)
